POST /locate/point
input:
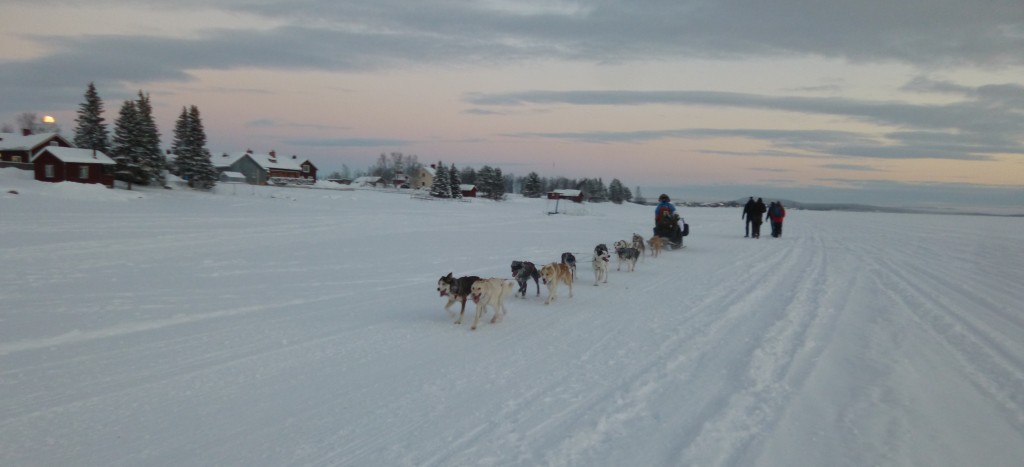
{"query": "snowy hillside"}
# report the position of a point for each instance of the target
(288, 326)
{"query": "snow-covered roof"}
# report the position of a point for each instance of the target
(77, 155)
(232, 175)
(367, 180)
(568, 192)
(19, 142)
(263, 160)
(465, 187)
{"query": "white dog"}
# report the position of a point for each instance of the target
(554, 273)
(600, 263)
(490, 292)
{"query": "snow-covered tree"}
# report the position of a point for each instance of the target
(125, 147)
(455, 182)
(441, 188)
(468, 175)
(615, 191)
(497, 190)
(193, 159)
(91, 132)
(639, 198)
(532, 186)
(151, 157)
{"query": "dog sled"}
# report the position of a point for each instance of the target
(671, 233)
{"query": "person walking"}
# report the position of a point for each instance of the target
(748, 216)
(758, 211)
(776, 213)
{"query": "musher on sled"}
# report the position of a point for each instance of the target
(666, 223)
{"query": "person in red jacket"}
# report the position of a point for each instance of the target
(776, 212)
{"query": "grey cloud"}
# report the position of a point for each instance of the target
(348, 142)
(854, 167)
(971, 129)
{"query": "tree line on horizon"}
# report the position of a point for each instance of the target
(490, 181)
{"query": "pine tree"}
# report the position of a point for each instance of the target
(455, 182)
(639, 198)
(124, 148)
(193, 159)
(151, 157)
(615, 193)
(441, 188)
(485, 180)
(497, 189)
(532, 186)
(91, 132)
(468, 175)
(205, 173)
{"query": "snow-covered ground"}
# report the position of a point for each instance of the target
(287, 326)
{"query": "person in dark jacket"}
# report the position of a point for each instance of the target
(776, 212)
(746, 215)
(757, 213)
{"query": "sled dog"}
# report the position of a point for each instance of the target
(570, 260)
(657, 243)
(522, 272)
(457, 290)
(553, 274)
(627, 255)
(638, 243)
(600, 263)
(490, 292)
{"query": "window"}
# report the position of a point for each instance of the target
(83, 172)
(305, 168)
(49, 171)
(15, 158)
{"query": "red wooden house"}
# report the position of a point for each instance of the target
(575, 196)
(21, 148)
(60, 164)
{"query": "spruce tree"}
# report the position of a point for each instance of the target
(124, 148)
(441, 188)
(498, 187)
(193, 159)
(615, 193)
(485, 180)
(182, 164)
(456, 182)
(91, 132)
(532, 186)
(151, 157)
(205, 173)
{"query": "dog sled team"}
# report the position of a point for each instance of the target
(492, 292)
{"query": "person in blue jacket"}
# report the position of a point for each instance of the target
(666, 221)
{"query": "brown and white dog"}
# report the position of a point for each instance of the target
(553, 274)
(600, 263)
(657, 243)
(490, 292)
(457, 290)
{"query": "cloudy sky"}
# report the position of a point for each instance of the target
(866, 101)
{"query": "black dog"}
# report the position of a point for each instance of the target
(457, 290)
(522, 271)
(570, 260)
